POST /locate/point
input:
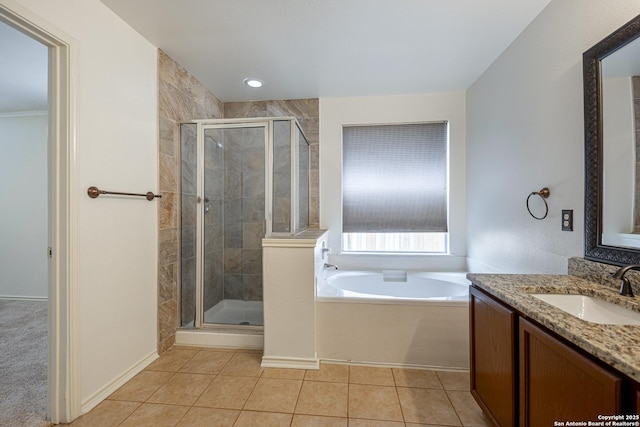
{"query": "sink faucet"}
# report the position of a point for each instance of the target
(327, 266)
(625, 285)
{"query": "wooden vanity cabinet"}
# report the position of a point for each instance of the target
(558, 383)
(524, 375)
(493, 358)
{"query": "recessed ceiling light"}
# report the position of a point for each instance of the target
(253, 82)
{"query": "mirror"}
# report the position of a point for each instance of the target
(611, 72)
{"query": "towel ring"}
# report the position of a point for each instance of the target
(544, 193)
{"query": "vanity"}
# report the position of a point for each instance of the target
(533, 364)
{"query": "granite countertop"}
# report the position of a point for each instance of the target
(616, 345)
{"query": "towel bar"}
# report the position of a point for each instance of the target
(94, 192)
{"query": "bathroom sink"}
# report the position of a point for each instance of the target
(592, 309)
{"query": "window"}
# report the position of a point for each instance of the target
(394, 188)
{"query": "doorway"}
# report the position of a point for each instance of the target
(62, 402)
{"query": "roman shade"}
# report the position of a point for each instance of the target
(394, 178)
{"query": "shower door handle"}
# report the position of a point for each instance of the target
(207, 205)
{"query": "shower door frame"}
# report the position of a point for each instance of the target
(202, 126)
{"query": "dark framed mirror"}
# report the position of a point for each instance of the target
(611, 71)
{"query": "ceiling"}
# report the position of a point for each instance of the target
(300, 48)
(330, 48)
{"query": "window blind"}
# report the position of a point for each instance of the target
(394, 178)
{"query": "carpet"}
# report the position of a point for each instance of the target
(23, 363)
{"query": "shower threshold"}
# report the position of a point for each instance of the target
(235, 312)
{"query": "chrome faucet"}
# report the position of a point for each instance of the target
(327, 266)
(625, 285)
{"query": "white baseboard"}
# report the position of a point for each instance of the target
(107, 390)
(290, 362)
(219, 339)
(21, 298)
(395, 365)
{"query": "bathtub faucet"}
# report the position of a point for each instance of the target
(327, 266)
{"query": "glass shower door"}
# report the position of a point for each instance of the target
(232, 190)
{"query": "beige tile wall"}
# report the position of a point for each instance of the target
(182, 97)
(307, 113)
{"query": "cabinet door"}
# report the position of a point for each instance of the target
(493, 375)
(558, 384)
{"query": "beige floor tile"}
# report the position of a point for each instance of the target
(420, 378)
(287, 374)
(172, 360)
(370, 375)
(355, 422)
(263, 419)
(467, 409)
(154, 415)
(427, 406)
(182, 389)
(323, 398)
(218, 349)
(106, 414)
(274, 395)
(330, 373)
(142, 386)
(317, 421)
(227, 392)
(199, 417)
(374, 402)
(424, 425)
(459, 381)
(244, 394)
(207, 362)
(243, 364)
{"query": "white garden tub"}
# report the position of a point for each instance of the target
(410, 319)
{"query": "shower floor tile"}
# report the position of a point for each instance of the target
(223, 387)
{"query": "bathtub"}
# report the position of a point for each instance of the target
(394, 285)
(412, 319)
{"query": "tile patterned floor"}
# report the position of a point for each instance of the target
(219, 387)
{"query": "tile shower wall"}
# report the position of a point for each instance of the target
(281, 217)
(307, 113)
(188, 222)
(215, 187)
(180, 97)
(244, 212)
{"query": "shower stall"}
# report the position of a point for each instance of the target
(240, 180)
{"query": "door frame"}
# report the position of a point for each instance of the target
(62, 380)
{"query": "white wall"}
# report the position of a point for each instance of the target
(116, 106)
(337, 112)
(23, 189)
(525, 132)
